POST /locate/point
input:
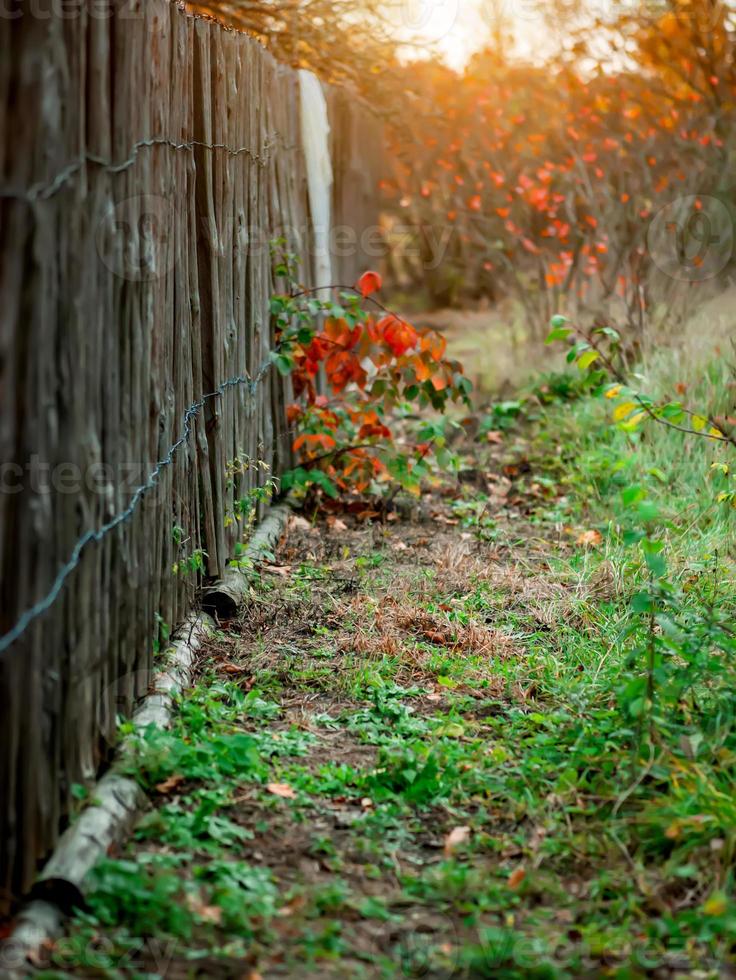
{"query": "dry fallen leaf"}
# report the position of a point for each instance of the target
(336, 524)
(673, 831)
(171, 783)
(494, 437)
(207, 913)
(516, 877)
(231, 668)
(434, 636)
(297, 521)
(456, 837)
(590, 538)
(294, 904)
(283, 570)
(283, 790)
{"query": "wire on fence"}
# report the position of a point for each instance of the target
(98, 534)
(43, 191)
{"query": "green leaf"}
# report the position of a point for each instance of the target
(642, 602)
(648, 511)
(632, 495)
(672, 412)
(656, 565)
(633, 536)
(559, 333)
(298, 477)
(323, 480)
(284, 363)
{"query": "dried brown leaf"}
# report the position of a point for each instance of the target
(589, 539)
(456, 837)
(516, 877)
(283, 790)
(171, 783)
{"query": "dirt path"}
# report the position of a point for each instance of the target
(403, 761)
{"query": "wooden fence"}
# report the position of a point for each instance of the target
(146, 159)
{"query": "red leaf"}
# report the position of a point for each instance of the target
(369, 283)
(398, 334)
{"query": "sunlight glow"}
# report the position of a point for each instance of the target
(456, 29)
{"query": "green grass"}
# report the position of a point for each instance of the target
(594, 766)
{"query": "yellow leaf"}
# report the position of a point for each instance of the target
(698, 422)
(614, 392)
(585, 360)
(715, 433)
(622, 410)
(716, 905)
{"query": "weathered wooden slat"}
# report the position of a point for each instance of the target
(127, 292)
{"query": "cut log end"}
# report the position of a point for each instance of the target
(220, 603)
(61, 892)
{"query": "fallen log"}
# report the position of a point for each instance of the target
(118, 800)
